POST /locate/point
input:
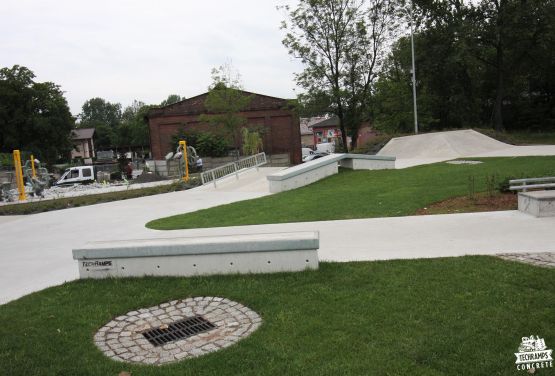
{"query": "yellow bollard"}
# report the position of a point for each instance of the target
(19, 174)
(183, 145)
(33, 166)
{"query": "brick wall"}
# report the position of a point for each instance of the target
(280, 126)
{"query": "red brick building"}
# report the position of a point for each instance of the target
(328, 130)
(274, 116)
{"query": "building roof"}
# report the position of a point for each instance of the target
(195, 105)
(82, 133)
(306, 124)
(331, 122)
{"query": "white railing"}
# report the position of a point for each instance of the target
(215, 174)
(532, 183)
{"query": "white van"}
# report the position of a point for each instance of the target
(79, 174)
(326, 147)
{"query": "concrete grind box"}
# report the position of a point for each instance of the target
(258, 253)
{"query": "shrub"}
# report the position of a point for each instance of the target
(206, 144)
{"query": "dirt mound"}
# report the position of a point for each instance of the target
(148, 177)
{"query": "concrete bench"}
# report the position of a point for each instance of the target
(257, 253)
(537, 203)
(318, 169)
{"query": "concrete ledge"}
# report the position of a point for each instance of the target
(310, 172)
(367, 162)
(537, 203)
(259, 253)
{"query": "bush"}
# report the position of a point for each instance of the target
(211, 145)
(206, 144)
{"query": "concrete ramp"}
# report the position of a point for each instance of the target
(453, 144)
(443, 146)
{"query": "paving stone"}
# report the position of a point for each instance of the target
(122, 338)
(181, 355)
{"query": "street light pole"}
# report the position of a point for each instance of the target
(413, 70)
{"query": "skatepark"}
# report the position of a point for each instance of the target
(37, 249)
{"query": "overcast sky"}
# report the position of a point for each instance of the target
(123, 50)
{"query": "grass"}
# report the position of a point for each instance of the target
(71, 202)
(448, 316)
(363, 194)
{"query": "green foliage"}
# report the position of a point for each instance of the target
(171, 99)
(206, 144)
(225, 101)
(340, 43)
(443, 316)
(252, 142)
(98, 111)
(478, 63)
(211, 145)
(114, 128)
(34, 116)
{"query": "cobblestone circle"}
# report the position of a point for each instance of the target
(543, 259)
(121, 339)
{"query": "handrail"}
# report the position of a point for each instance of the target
(524, 184)
(215, 174)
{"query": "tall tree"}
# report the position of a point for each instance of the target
(105, 117)
(341, 44)
(33, 116)
(225, 101)
(134, 128)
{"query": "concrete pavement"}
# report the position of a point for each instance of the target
(36, 249)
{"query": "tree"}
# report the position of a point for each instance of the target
(134, 127)
(105, 117)
(508, 33)
(33, 116)
(341, 43)
(225, 101)
(171, 99)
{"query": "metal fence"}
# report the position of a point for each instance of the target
(215, 174)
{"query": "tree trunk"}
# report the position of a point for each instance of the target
(498, 106)
(354, 139)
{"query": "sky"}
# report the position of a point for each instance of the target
(122, 50)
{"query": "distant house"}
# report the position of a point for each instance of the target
(328, 130)
(307, 135)
(274, 116)
(83, 145)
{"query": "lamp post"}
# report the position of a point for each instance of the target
(413, 70)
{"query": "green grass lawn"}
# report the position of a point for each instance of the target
(363, 194)
(450, 316)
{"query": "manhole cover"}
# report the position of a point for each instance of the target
(176, 330)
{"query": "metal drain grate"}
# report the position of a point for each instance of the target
(178, 330)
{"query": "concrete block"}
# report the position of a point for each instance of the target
(367, 162)
(310, 172)
(257, 253)
(537, 203)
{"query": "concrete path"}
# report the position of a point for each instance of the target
(35, 251)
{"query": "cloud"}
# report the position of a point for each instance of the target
(125, 50)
